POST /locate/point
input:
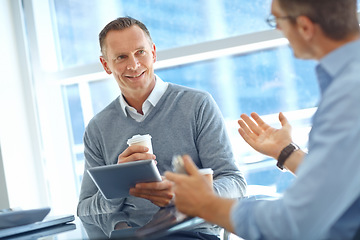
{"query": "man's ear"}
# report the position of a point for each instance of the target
(105, 65)
(306, 27)
(154, 52)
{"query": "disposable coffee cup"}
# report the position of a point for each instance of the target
(208, 173)
(142, 140)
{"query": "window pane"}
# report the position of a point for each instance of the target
(102, 93)
(78, 22)
(270, 177)
(266, 82)
(75, 112)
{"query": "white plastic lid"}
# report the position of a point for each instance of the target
(138, 138)
(205, 171)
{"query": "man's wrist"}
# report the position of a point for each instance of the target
(218, 211)
(285, 154)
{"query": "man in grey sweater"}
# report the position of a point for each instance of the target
(179, 119)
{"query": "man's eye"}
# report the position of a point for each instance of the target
(120, 58)
(141, 51)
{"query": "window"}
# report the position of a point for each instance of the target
(223, 47)
(188, 22)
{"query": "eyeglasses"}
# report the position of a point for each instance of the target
(272, 20)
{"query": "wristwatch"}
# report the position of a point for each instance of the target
(285, 153)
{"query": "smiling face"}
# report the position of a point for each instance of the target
(130, 56)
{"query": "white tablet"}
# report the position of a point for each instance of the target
(115, 181)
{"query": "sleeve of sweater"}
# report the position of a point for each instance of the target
(91, 201)
(215, 150)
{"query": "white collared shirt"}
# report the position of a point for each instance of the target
(150, 102)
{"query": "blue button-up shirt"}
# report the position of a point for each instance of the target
(324, 200)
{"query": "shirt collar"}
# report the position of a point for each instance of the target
(330, 66)
(158, 91)
(154, 97)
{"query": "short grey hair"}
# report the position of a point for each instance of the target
(120, 24)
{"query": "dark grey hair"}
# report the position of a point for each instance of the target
(120, 24)
(337, 18)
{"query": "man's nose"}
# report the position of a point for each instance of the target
(133, 63)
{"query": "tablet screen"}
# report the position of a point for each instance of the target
(115, 181)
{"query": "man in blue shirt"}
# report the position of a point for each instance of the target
(324, 200)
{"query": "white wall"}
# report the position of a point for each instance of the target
(4, 200)
(18, 126)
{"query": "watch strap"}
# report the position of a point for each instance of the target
(285, 153)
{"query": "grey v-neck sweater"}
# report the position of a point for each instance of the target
(185, 121)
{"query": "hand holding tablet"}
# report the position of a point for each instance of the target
(115, 181)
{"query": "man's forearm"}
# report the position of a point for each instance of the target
(218, 211)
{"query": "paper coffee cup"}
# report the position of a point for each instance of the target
(142, 140)
(208, 173)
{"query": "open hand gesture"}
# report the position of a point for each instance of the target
(264, 138)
